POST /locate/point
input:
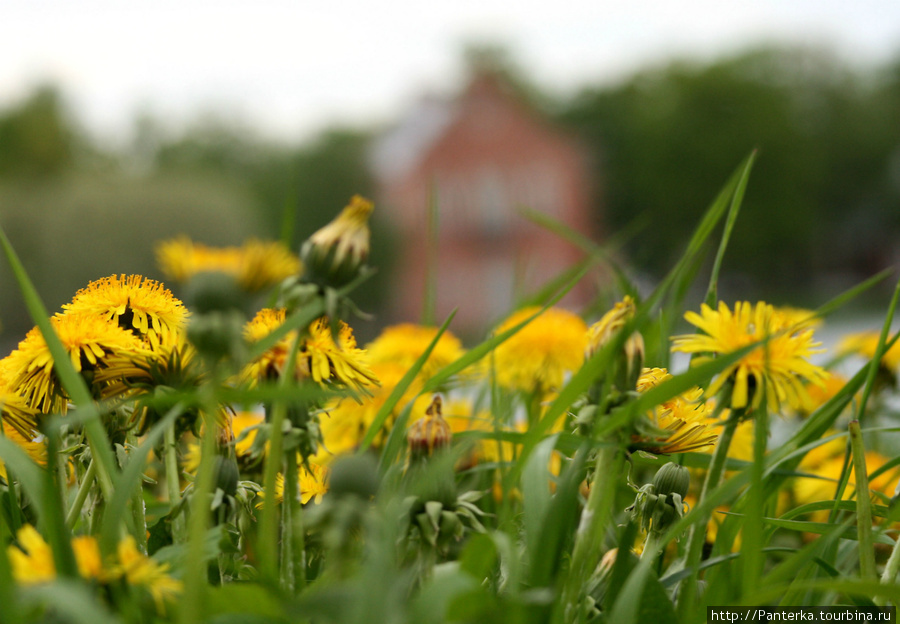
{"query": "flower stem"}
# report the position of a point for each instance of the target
(688, 588)
(86, 482)
(195, 567)
(138, 509)
(289, 505)
(652, 547)
(863, 505)
(595, 517)
(173, 482)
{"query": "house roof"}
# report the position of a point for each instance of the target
(401, 148)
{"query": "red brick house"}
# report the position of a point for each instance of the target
(486, 154)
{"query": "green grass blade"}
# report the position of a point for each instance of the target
(879, 353)
(72, 382)
(863, 504)
(594, 251)
(817, 528)
(536, 494)
(712, 292)
(29, 475)
(679, 274)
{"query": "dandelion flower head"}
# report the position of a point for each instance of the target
(866, 343)
(255, 265)
(89, 341)
(538, 356)
(403, 344)
(32, 560)
(142, 571)
(32, 445)
(136, 303)
(321, 358)
(779, 366)
(684, 418)
(346, 421)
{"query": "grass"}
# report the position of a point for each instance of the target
(503, 523)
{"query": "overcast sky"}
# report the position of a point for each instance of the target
(291, 68)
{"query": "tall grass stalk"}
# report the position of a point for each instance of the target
(687, 589)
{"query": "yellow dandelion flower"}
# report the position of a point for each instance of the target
(865, 344)
(32, 560)
(140, 570)
(36, 449)
(142, 305)
(88, 558)
(826, 462)
(321, 358)
(255, 265)
(17, 414)
(241, 422)
(403, 344)
(684, 418)
(819, 394)
(780, 366)
(89, 341)
(313, 485)
(346, 421)
(741, 446)
(537, 357)
(175, 365)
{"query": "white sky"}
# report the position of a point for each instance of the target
(291, 68)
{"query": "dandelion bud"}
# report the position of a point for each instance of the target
(218, 335)
(672, 479)
(631, 359)
(354, 475)
(660, 504)
(429, 433)
(226, 475)
(213, 291)
(334, 254)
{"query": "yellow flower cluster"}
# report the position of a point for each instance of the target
(255, 265)
(32, 563)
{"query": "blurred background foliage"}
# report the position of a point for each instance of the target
(823, 205)
(824, 197)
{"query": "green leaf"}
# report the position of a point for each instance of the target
(29, 475)
(818, 528)
(536, 494)
(129, 480)
(70, 599)
(642, 599)
(559, 517)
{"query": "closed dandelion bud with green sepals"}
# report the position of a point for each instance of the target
(218, 335)
(334, 254)
(672, 479)
(659, 504)
(214, 291)
(354, 475)
(226, 475)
